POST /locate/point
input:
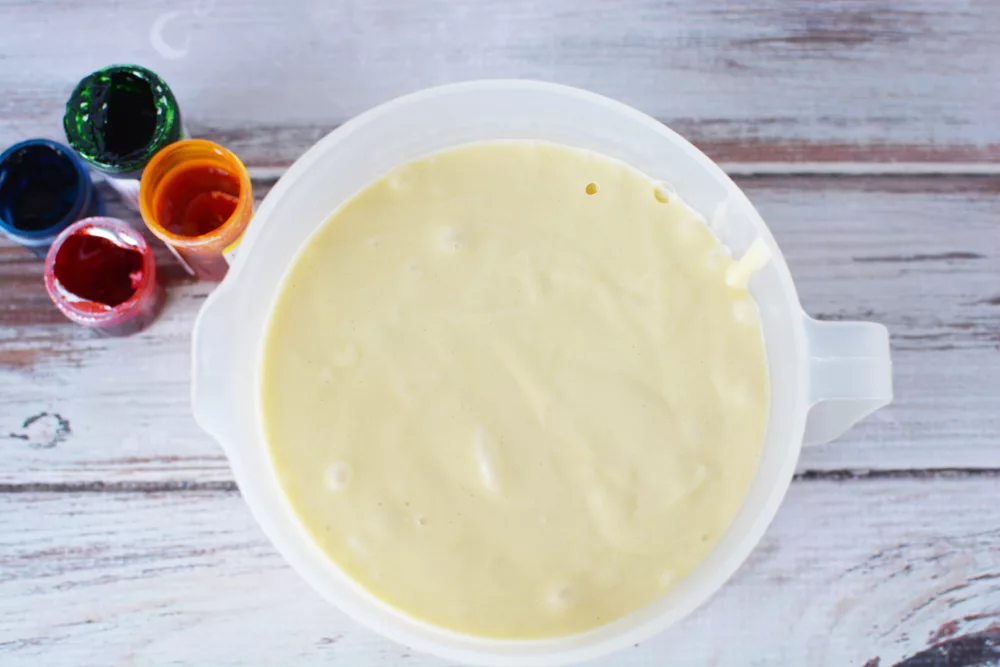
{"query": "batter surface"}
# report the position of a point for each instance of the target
(508, 389)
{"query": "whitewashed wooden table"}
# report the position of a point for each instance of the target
(867, 134)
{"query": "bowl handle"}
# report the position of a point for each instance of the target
(850, 376)
(211, 379)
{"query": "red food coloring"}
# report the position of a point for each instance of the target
(100, 273)
(95, 268)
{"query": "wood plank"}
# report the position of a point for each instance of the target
(849, 571)
(762, 81)
(921, 255)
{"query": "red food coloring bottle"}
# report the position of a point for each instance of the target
(100, 272)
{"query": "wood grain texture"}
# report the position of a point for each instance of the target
(857, 80)
(122, 537)
(921, 255)
(849, 572)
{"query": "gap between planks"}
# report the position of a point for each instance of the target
(844, 475)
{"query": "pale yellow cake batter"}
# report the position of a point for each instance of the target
(508, 389)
